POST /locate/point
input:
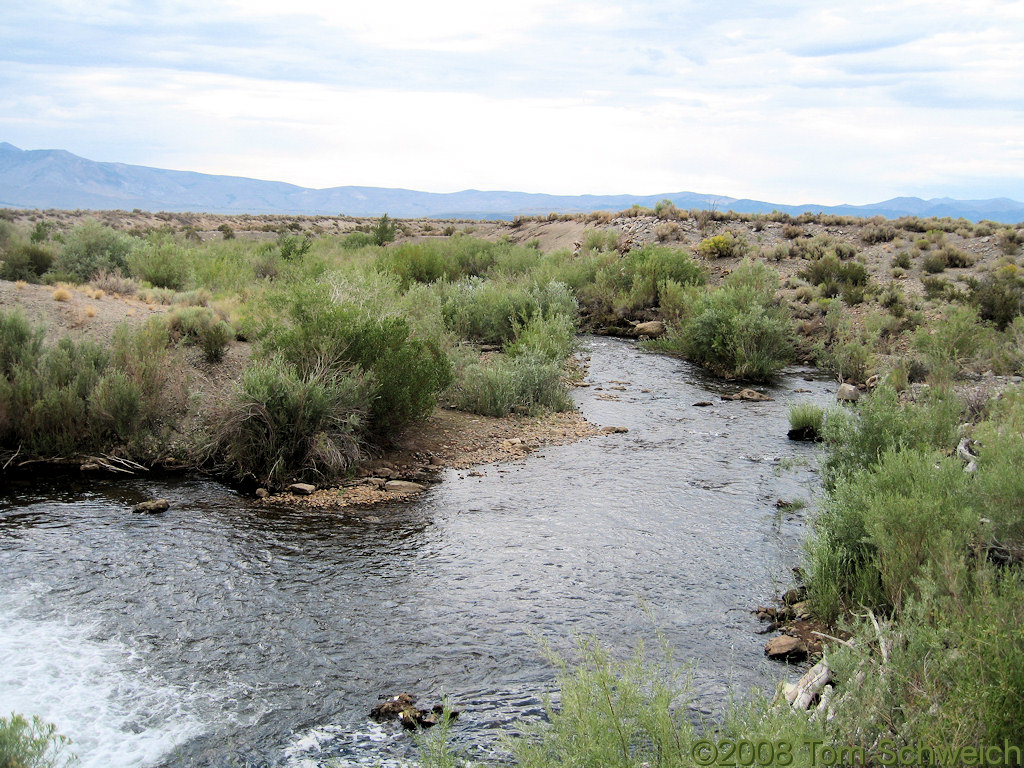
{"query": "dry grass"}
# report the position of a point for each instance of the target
(62, 294)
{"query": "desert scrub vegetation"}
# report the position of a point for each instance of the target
(76, 397)
(724, 246)
(89, 248)
(407, 373)
(201, 327)
(738, 330)
(280, 424)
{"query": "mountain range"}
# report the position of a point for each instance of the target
(54, 178)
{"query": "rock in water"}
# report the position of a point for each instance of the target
(803, 433)
(154, 505)
(847, 393)
(403, 708)
(749, 395)
(392, 708)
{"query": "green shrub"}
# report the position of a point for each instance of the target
(20, 341)
(880, 423)
(280, 424)
(115, 407)
(41, 232)
(901, 260)
(25, 261)
(161, 261)
(612, 714)
(830, 271)
(950, 343)
(885, 526)
(878, 233)
(407, 373)
(1010, 240)
(32, 744)
(90, 248)
(76, 397)
(449, 260)
(293, 247)
(527, 383)
(488, 311)
(1000, 298)
(737, 330)
(551, 338)
(807, 416)
(934, 262)
(383, 232)
(724, 246)
(356, 240)
(954, 256)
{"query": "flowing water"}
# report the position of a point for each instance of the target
(221, 633)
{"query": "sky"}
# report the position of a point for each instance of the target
(790, 102)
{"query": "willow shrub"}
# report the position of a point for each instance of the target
(885, 527)
(856, 440)
(635, 281)
(451, 259)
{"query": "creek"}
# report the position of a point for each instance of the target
(227, 633)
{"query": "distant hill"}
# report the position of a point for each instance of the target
(53, 178)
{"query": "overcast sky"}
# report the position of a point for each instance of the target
(792, 102)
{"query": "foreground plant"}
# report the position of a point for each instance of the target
(32, 743)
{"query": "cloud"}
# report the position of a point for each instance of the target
(791, 101)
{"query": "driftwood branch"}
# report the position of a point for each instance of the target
(825, 636)
(809, 686)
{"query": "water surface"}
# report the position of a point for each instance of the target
(223, 633)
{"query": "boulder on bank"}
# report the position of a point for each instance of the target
(151, 506)
(786, 648)
(652, 329)
(301, 489)
(847, 393)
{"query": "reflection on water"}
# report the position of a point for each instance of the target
(220, 632)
